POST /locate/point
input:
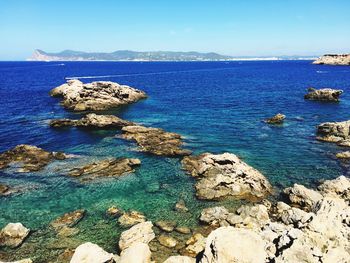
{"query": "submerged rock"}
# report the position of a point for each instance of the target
(131, 218)
(333, 131)
(92, 120)
(13, 235)
(141, 232)
(155, 140)
(183, 230)
(167, 241)
(68, 219)
(30, 158)
(167, 226)
(105, 168)
(99, 95)
(180, 206)
(333, 59)
(225, 175)
(4, 189)
(114, 211)
(92, 253)
(277, 119)
(323, 94)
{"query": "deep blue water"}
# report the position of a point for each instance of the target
(217, 106)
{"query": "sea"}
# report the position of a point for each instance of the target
(216, 106)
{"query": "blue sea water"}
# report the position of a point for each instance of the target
(217, 106)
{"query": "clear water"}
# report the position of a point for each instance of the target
(217, 106)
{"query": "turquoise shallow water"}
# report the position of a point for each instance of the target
(217, 106)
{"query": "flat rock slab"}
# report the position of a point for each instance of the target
(30, 158)
(92, 120)
(155, 140)
(105, 168)
(68, 219)
(225, 175)
(13, 235)
(326, 94)
(99, 95)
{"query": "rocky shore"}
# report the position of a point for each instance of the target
(333, 59)
(100, 95)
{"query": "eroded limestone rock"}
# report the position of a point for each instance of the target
(13, 235)
(141, 232)
(331, 95)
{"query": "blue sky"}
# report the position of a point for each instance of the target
(235, 27)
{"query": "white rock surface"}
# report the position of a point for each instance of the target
(141, 232)
(92, 253)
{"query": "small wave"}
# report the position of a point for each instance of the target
(321, 72)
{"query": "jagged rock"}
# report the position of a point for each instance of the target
(225, 175)
(229, 244)
(214, 215)
(99, 95)
(180, 259)
(13, 235)
(155, 140)
(323, 94)
(339, 187)
(92, 120)
(167, 241)
(141, 232)
(249, 216)
(136, 253)
(167, 226)
(297, 217)
(180, 206)
(337, 132)
(4, 189)
(333, 59)
(114, 211)
(183, 230)
(68, 219)
(92, 253)
(302, 196)
(195, 244)
(30, 158)
(277, 119)
(131, 218)
(105, 168)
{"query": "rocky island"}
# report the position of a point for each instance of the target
(99, 95)
(331, 95)
(333, 59)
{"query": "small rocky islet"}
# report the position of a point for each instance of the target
(311, 225)
(333, 59)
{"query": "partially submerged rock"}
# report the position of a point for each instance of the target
(131, 218)
(141, 232)
(68, 219)
(180, 206)
(337, 132)
(99, 95)
(167, 226)
(277, 119)
(167, 241)
(225, 175)
(105, 168)
(4, 189)
(92, 253)
(343, 155)
(333, 59)
(323, 94)
(92, 120)
(13, 235)
(30, 158)
(155, 140)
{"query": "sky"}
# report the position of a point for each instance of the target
(229, 27)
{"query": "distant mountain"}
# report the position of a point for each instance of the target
(127, 55)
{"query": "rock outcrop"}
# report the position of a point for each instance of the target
(92, 120)
(137, 253)
(99, 95)
(323, 94)
(337, 132)
(155, 140)
(333, 59)
(13, 235)
(69, 219)
(29, 158)
(277, 119)
(302, 196)
(225, 175)
(92, 253)
(105, 168)
(140, 233)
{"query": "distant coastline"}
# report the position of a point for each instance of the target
(126, 55)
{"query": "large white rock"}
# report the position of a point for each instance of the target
(27, 260)
(141, 232)
(302, 196)
(229, 244)
(92, 253)
(137, 253)
(180, 259)
(339, 187)
(13, 235)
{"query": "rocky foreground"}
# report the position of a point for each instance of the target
(333, 59)
(331, 95)
(99, 95)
